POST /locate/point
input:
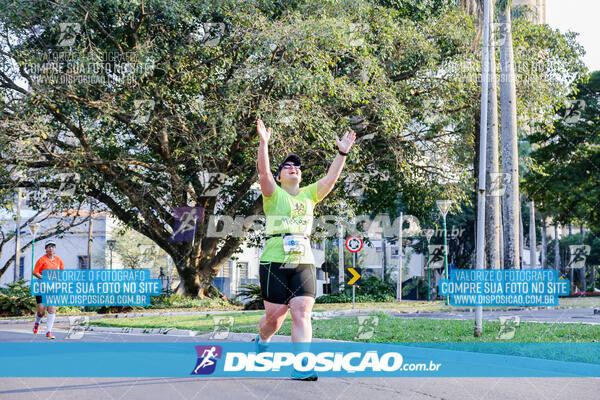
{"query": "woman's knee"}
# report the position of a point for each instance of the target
(275, 317)
(301, 312)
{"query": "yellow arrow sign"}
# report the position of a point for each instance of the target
(355, 276)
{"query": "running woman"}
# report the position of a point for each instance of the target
(287, 267)
(47, 261)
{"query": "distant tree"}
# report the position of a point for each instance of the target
(153, 104)
(565, 173)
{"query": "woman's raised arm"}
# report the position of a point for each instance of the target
(267, 182)
(326, 184)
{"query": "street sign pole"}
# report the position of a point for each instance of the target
(341, 258)
(428, 276)
(353, 286)
(354, 244)
(400, 261)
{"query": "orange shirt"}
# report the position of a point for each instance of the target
(45, 263)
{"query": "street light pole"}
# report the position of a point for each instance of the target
(444, 206)
(481, 190)
(400, 261)
(428, 236)
(111, 245)
(18, 236)
(33, 228)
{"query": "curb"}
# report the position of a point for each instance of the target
(212, 336)
(317, 315)
(124, 315)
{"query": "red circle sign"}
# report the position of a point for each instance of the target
(354, 244)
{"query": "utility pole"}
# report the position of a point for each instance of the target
(532, 238)
(400, 261)
(90, 238)
(556, 248)
(482, 158)
(18, 235)
(341, 282)
(544, 243)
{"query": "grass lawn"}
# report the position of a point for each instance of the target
(405, 306)
(389, 329)
(195, 322)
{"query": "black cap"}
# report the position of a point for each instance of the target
(291, 157)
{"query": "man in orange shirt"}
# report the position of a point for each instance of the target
(47, 261)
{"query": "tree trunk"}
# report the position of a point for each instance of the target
(475, 7)
(198, 281)
(492, 231)
(521, 230)
(544, 242)
(90, 236)
(556, 248)
(16, 275)
(384, 251)
(532, 236)
(510, 155)
(197, 270)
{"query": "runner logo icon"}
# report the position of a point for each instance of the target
(207, 359)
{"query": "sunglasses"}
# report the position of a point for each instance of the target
(288, 166)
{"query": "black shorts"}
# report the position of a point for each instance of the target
(280, 282)
(38, 299)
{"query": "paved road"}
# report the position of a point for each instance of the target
(565, 315)
(276, 388)
(324, 388)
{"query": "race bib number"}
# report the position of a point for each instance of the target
(295, 244)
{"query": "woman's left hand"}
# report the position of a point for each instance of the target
(346, 142)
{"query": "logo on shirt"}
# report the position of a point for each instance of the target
(298, 209)
(207, 359)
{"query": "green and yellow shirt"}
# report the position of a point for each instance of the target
(288, 214)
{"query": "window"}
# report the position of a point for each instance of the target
(225, 271)
(82, 261)
(22, 267)
(394, 251)
(243, 270)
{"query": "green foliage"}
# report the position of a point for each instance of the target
(69, 309)
(372, 289)
(420, 284)
(253, 292)
(16, 299)
(591, 239)
(565, 174)
(347, 298)
(373, 286)
(308, 68)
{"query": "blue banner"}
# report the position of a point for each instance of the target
(331, 359)
(74, 287)
(527, 287)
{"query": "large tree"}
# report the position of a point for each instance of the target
(510, 158)
(564, 178)
(146, 101)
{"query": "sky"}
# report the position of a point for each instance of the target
(578, 16)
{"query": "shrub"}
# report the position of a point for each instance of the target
(16, 300)
(251, 291)
(347, 298)
(374, 286)
(372, 289)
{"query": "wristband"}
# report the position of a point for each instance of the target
(342, 153)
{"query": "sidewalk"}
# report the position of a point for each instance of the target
(316, 315)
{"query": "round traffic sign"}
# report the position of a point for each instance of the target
(354, 244)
